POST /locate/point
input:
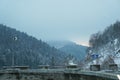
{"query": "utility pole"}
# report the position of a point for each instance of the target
(13, 55)
(12, 59)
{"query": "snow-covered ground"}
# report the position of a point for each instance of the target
(106, 52)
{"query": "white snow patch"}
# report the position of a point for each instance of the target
(118, 77)
(115, 41)
(71, 62)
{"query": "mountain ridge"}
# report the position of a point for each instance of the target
(71, 48)
(27, 50)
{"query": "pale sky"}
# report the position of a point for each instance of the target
(73, 20)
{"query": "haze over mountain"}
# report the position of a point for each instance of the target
(59, 43)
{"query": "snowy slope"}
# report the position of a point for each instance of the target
(106, 45)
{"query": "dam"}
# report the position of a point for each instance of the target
(57, 74)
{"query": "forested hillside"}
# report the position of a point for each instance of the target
(26, 50)
(106, 44)
(108, 35)
(72, 49)
(78, 51)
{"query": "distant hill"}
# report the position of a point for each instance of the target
(26, 50)
(59, 44)
(70, 48)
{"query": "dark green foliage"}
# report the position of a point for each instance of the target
(27, 50)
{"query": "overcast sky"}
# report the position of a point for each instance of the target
(73, 20)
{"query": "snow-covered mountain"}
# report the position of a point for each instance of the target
(106, 45)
